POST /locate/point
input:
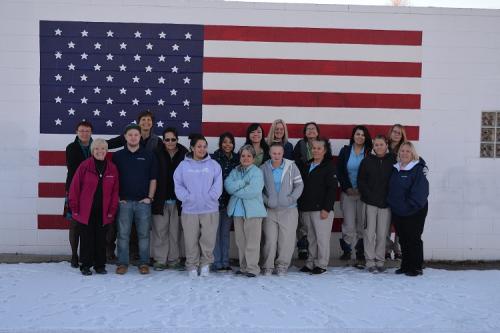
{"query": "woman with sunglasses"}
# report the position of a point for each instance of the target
(166, 231)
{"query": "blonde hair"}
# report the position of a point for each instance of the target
(98, 142)
(403, 137)
(270, 135)
(413, 151)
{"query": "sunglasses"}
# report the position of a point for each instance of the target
(170, 139)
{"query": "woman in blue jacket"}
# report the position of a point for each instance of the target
(246, 206)
(408, 192)
(350, 158)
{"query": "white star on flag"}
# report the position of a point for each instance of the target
(148, 91)
(148, 68)
(123, 46)
(109, 123)
(162, 35)
(159, 124)
(109, 56)
(97, 46)
(97, 112)
(135, 101)
(58, 55)
(185, 124)
(58, 99)
(161, 102)
(123, 91)
(84, 33)
(187, 58)
(136, 79)
(173, 92)
(161, 80)
(84, 56)
(123, 68)
(71, 67)
(109, 78)
(109, 33)
(109, 101)
(175, 47)
(84, 100)
(187, 35)
(58, 32)
(137, 34)
(71, 112)
(58, 77)
(186, 102)
(71, 45)
(123, 113)
(161, 58)
(97, 67)
(71, 90)
(83, 77)
(173, 114)
(137, 57)
(58, 121)
(97, 90)
(149, 46)
(175, 69)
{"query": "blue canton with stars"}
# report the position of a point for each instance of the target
(107, 73)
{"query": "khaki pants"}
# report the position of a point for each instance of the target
(378, 221)
(318, 235)
(353, 225)
(248, 234)
(165, 235)
(279, 238)
(200, 232)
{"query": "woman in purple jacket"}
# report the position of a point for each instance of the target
(198, 185)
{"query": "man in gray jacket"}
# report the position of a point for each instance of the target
(282, 187)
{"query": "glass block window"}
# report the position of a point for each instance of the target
(490, 134)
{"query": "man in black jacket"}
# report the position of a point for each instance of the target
(76, 152)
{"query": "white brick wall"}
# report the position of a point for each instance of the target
(461, 78)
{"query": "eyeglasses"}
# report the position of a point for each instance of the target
(170, 140)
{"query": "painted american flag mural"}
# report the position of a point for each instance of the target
(216, 78)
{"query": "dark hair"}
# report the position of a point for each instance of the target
(307, 124)
(170, 130)
(132, 127)
(226, 135)
(84, 123)
(326, 145)
(263, 143)
(194, 138)
(368, 139)
(277, 144)
(146, 113)
(381, 137)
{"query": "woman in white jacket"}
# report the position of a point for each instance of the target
(282, 187)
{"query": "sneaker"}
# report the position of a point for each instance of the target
(346, 256)
(121, 269)
(239, 272)
(305, 269)
(250, 275)
(281, 271)
(74, 262)
(158, 266)
(381, 269)
(318, 270)
(205, 271)
(144, 269)
(267, 271)
(85, 270)
(101, 270)
(193, 274)
(372, 269)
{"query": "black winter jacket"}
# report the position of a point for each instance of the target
(320, 186)
(75, 155)
(165, 182)
(373, 179)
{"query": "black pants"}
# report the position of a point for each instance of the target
(92, 244)
(74, 237)
(410, 229)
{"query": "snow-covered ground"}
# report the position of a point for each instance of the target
(56, 298)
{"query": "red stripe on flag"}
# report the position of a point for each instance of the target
(52, 222)
(51, 190)
(312, 67)
(296, 130)
(311, 99)
(313, 35)
(51, 158)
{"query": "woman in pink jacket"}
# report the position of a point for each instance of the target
(93, 199)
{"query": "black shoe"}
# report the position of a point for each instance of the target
(74, 262)
(412, 273)
(400, 271)
(250, 275)
(419, 271)
(101, 270)
(318, 270)
(306, 269)
(85, 271)
(238, 272)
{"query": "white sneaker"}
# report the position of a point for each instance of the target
(267, 271)
(281, 271)
(193, 274)
(205, 271)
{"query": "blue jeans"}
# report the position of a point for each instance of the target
(140, 213)
(221, 250)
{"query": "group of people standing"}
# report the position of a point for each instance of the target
(183, 201)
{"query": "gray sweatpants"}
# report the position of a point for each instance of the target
(375, 233)
(200, 233)
(247, 234)
(165, 235)
(318, 235)
(279, 237)
(353, 225)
